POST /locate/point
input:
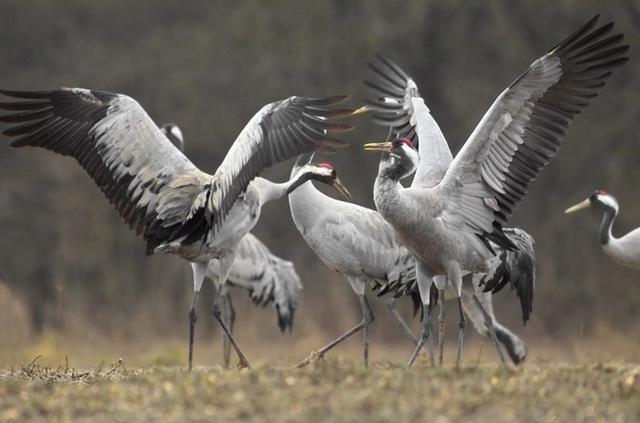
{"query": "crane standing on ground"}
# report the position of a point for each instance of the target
(452, 227)
(267, 277)
(177, 208)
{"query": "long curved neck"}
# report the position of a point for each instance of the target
(386, 190)
(606, 224)
(272, 191)
(304, 203)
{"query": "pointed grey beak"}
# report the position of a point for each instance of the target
(583, 205)
(339, 186)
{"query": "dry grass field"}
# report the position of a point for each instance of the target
(555, 385)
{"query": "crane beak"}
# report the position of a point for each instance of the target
(583, 205)
(342, 190)
(361, 110)
(385, 147)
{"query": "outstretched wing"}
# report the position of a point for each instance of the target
(516, 267)
(279, 131)
(524, 128)
(268, 278)
(396, 103)
(150, 182)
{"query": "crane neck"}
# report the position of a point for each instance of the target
(304, 203)
(273, 191)
(606, 224)
(386, 191)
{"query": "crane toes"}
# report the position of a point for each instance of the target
(243, 364)
(314, 357)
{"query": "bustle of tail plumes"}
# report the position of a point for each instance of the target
(516, 267)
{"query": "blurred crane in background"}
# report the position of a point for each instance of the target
(625, 250)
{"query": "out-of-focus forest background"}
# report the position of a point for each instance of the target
(69, 266)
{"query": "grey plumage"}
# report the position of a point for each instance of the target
(177, 208)
(268, 278)
(451, 226)
(351, 240)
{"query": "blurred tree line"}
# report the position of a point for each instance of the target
(208, 66)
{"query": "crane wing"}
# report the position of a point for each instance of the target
(524, 128)
(150, 182)
(268, 278)
(396, 103)
(279, 131)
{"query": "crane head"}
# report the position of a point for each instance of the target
(326, 174)
(399, 159)
(599, 199)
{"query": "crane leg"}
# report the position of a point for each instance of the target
(225, 267)
(461, 324)
(225, 308)
(488, 321)
(244, 363)
(367, 317)
(391, 304)
(316, 355)
(424, 336)
(199, 271)
(192, 326)
(442, 316)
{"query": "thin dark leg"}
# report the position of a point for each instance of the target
(316, 355)
(461, 324)
(442, 315)
(424, 335)
(488, 321)
(368, 318)
(391, 303)
(244, 363)
(222, 307)
(431, 341)
(192, 326)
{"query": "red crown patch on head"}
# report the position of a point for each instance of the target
(408, 142)
(326, 166)
(601, 192)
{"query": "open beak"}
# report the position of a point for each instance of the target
(361, 110)
(586, 203)
(378, 146)
(339, 186)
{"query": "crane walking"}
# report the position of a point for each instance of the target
(353, 241)
(452, 222)
(267, 277)
(177, 208)
(624, 250)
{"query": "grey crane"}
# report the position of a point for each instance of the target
(396, 101)
(177, 208)
(624, 250)
(267, 277)
(352, 240)
(452, 226)
(357, 243)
